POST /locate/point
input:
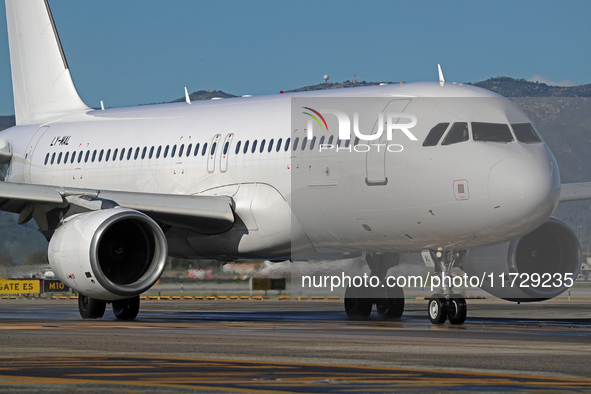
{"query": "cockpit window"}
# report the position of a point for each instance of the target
(435, 134)
(492, 132)
(457, 133)
(525, 132)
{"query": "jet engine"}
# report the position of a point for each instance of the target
(109, 254)
(537, 266)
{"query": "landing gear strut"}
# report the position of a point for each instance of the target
(389, 301)
(445, 305)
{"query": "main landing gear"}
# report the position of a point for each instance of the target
(91, 308)
(445, 305)
(389, 301)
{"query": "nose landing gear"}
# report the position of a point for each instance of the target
(445, 305)
(453, 308)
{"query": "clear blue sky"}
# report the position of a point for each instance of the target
(143, 51)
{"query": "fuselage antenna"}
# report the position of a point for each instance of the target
(441, 79)
(187, 98)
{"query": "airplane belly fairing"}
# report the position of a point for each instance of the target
(263, 227)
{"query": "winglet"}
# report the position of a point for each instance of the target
(187, 98)
(441, 79)
(41, 81)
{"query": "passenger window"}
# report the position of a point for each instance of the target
(278, 145)
(122, 154)
(525, 132)
(347, 143)
(356, 141)
(108, 155)
(137, 153)
(86, 156)
(73, 157)
(181, 150)
(213, 146)
(287, 144)
(189, 149)
(204, 150)
(158, 151)
(46, 158)
(226, 146)
(270, 148)
(245, 146)
(101, 155)
(262, 146)
(173, 151)
(115, 154)
(457, 133)
(491, 132)
(66, 157)
(144, 152)
(52, 158)
(312, 143)
(435, 134)
(80, 156)
(151, 153)
(331, 140)
(304, 143)
(196, 149)
(166, 151)
(322, 140)
(59, 158)
(93, 156)
(238, 147)
(295, 143)
(254, 146)
(129, 152)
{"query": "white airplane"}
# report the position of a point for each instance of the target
(461, 176)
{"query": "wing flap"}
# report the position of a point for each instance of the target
(14, 197)
(204, 214)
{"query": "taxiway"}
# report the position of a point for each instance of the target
(294, 346)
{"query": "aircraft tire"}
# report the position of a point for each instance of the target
(126, 309)
(457, 310)
(355, 307)
(391, 307)
(91, 308)
(437, 309)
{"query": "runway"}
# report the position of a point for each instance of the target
(294, 346)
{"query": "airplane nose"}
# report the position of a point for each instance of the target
(524, 189)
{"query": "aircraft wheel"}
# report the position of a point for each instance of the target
(457, 310)
(391, 307)
(437, 309)
(356, 308)
(126, 309)
(91, 308)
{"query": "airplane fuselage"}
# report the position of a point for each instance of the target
(360, 197)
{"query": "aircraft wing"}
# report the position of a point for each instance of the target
(205, 214)
(575, 192)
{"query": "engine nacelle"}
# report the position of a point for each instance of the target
(552, 251)
(109, 254)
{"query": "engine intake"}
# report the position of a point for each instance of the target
(552, 251)
(109, 254)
